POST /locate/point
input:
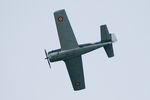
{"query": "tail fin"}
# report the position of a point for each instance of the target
(107, 37)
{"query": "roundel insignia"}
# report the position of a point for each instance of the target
(77, 83)
(60, 18)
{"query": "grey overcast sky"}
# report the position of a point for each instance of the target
(28, 26)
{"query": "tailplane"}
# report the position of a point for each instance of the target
(107, 37)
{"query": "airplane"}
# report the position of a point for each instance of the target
(71, 52)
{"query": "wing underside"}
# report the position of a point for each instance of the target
(68, 41)
(75, 70)
(65, 32)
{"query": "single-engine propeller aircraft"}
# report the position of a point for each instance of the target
(71, 51)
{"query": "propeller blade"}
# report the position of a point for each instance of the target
(47, 58)
(46, 53)
(49, 64)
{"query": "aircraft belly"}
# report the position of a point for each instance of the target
(68, 54)
(87, 49)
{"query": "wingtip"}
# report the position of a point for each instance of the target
(79, 89)
(58, 11)
(104, 25)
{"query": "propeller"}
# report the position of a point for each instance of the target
(47, 58)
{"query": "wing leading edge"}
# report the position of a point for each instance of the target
(75, 70)
(65, 32)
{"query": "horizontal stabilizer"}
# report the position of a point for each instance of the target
(107, 37)
(109, 50)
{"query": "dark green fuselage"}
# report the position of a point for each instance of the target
(59, 54)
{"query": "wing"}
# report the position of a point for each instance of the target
(75, 70)
(65, 32)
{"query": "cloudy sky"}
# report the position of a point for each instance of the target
(28, 26)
